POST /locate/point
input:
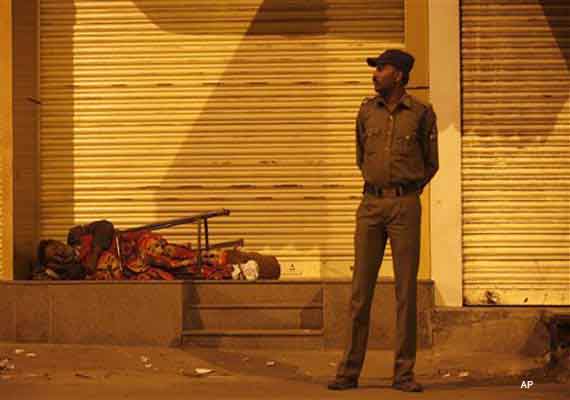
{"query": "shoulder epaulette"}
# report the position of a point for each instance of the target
(367, 99)
(417, 100)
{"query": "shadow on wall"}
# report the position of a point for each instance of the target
(557, 92)
(493, 50)
(273, 17)
(267, 21)
(235, 81)
(557, 13)
(222, 125)
(283, 22)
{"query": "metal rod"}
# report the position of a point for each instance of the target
(118, 247)
(179, 221)
(199, 244)
(231, 243)
(206, 234)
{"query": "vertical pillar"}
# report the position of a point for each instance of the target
(20, 140)
(416, 42)
(6, 130)
(445, 95)
(26, 103)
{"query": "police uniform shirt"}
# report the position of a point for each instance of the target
(398, 147)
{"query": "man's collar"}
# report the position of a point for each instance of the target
(405, 100)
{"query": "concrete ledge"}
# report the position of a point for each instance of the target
(156, 312)
(514, 330)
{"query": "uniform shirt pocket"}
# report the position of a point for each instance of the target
(406, 144)
(370, 132)
(372, 140)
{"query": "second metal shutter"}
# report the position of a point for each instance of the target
(516, 151)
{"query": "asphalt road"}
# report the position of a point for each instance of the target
(66, 372)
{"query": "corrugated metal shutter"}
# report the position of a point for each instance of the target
(160, 109)
(516, 151)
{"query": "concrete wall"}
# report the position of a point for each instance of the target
(278, 314)
(383, 314)
(114, 313)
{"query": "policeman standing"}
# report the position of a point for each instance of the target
(396, 151)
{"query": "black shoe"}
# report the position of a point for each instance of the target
(408, 386)
(343, 384)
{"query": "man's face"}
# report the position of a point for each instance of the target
(385, 77)
(59, 253)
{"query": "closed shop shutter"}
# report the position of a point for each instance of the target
(161, 109)
(516, 151)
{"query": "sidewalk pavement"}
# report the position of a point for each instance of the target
(48, 371)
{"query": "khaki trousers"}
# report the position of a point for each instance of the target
(377, 219)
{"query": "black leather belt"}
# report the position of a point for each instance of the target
(393, 191)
